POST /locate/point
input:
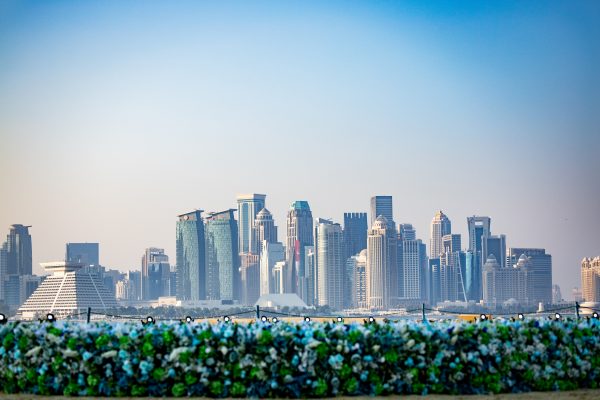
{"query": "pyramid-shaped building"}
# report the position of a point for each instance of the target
(69, 290)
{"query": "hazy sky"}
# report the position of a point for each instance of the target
(117, 116)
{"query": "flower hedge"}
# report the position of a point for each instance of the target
(297, 360)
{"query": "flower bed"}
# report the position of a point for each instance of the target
(297, 360)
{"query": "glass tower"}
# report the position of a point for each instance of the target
(249, 205)
(222, 259)
(191, 257)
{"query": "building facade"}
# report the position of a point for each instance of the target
(222, 256)
(264, 229)
(355, 233)
(382, 264)
(84, 253)
(249, 205)
(440, 226)
(191, 257)
(271, 253)
(502, 285)
(299, 235)
(329, 264)
(382, 205)
(156, 274)
(540, 272)
(496, 246)
(590, 279)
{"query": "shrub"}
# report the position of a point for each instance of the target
(297, 360)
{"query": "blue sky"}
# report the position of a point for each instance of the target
(117, 116)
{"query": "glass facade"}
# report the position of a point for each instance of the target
(191, 257)
(223, 278)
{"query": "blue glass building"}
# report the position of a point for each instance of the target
(223, 280)
(191, 257)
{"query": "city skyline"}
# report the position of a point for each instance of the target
(115, 119)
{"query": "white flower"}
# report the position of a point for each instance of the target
(177, 352)
(33, 352)
(109, 354)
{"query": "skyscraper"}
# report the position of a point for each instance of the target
(540, 272)
(478, 227)
(191, 257)
(271, 253)
(222, 258)
(440, 226)
(358, 264)
(355, 233)
(381, 271)
(451, 243)
(590, 279)
(84, 253)
(18, 250)
(249, 205)
(299, 235)
(250, 278)
(407, 232)
(329, 264)
(495, 245)
(265, 229)
(503, 284)
(413, 270)
(382, 205)
(156, 274)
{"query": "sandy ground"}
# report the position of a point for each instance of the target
(573, 395)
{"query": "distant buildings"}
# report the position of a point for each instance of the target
(382, 205)
(358, 265)
(249, 206)
(264, 229)
(156, 274)
(329, 264)
(250, 278)
(381, 269)
(69, 290)
(270, 254)
(222, 258)
(355, 233)
(541, 272)
(191, 257)
(15, 265)
(590, 279)
(507, 286)
(440, 226)
(299, 235)
(496, 246)
(83, 253)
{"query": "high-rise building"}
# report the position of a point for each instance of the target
(222, 258)
(478, 228)
(414, 269)
(355, 233)
(250, 278)
(540, 272)
(382, 205)
(329, 264)
(501, 285)
(451, 277)
(440, 226)
(556, 295)
(496, 246)
(299, 235)
(271, 253)
(311, 274)
(358, 264)
(249, 205)
(3, 269)
(264, 229)
(451, 243)
(407, 232)
(135, 285)
(434, 265)
(382, 265)
(191, 257)
(590, 280)
(156, 274)
(472, 277)
(84, 253)
(18, 250)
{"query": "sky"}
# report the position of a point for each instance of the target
(116, 116)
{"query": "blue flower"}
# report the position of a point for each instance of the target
(87, 355)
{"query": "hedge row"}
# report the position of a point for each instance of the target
(298, 360)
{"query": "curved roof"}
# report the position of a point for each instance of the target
(381, 222)
(264, 214)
